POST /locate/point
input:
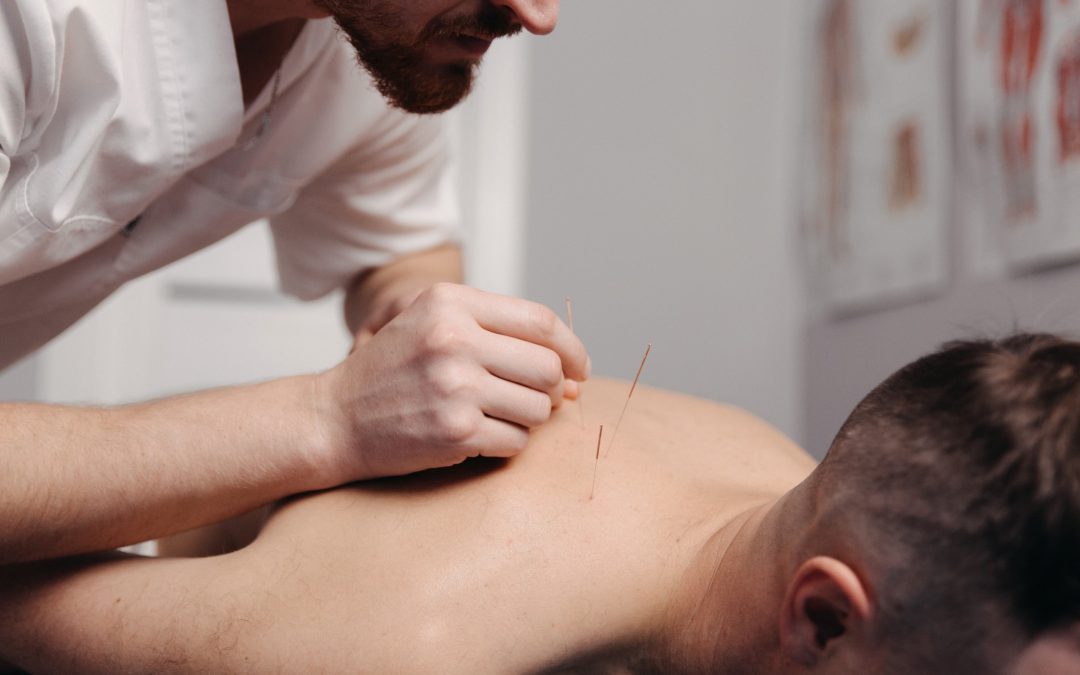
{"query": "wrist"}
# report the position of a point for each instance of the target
(329, 436)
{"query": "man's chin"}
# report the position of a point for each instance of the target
(436, 90)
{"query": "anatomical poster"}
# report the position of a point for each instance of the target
(875, 166)
(1020, 123)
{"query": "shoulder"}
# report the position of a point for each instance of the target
(679, 408)
(708, 435)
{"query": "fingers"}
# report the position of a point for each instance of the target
(571, 389)
(522, 362)
(520, 319)
(513, 403)
(497, 438)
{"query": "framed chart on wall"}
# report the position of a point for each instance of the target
(875, 168)
(1020, 124)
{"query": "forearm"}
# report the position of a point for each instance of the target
(376, 296)
(84, 479)
(121, 614)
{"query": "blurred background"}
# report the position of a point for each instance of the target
(788, 198)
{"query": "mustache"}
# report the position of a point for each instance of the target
(490, 24)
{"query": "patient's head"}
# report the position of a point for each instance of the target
(951, 500)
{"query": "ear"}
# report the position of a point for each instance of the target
(824, 602)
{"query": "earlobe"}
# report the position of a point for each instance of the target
(824, 601)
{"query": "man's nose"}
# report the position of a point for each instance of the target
(537, 16)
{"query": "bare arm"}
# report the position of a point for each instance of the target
(112, 613)
(83, 479)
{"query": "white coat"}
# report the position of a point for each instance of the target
(124, 146)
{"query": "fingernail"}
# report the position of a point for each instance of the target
(588, 366)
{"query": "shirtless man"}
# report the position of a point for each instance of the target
(940, 535)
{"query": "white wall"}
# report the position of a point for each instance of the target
(662, 142)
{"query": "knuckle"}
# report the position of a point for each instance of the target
(457, 424)
(448, 378)
(441, 339)
(441, 292)
(544, 319)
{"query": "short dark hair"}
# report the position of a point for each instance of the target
(962, 471)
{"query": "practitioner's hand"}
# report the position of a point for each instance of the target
(399, 304)
(459, 373)
(374, 323)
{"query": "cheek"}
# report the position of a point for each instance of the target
(417, 15)
(387, 21)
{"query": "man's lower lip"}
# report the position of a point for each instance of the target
(472, 46)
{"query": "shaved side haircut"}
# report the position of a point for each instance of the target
(959, 476)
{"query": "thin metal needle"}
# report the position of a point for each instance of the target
(580, 396)
(615, 433)
(596, 464)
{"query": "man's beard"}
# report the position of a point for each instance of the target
(399, 69)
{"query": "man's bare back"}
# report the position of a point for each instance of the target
(709, 547)
(492, 566)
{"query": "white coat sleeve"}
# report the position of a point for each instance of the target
(391, 195)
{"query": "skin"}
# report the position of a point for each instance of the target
(494, 566)
(440, 373)
(705, 548)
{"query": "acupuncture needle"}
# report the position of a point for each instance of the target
(596, 463)
(570, 323)
(615, 433)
